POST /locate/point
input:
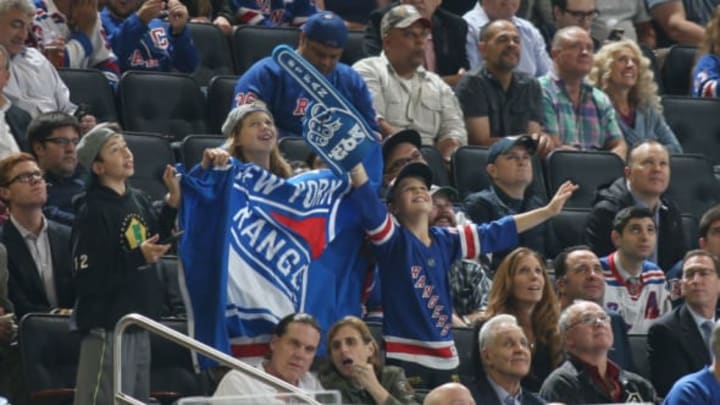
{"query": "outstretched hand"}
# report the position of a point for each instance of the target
(562, 195)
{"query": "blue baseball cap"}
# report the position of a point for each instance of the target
(504, 145)
(326, 28)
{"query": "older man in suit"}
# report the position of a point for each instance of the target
(678, 343)
(39, 264)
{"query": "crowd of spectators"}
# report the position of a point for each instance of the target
(522, 80)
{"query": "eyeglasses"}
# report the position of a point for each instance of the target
(64, 142)
(590, 319)
(29, 177)
(581, 15)
(400, 163)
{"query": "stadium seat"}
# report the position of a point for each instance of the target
(251, 43)
(435, 161)
(152, 153)
(294, 148)
(696, 124)
(353, 51)
(214, 49)
(172, 375)
(638, 346)
(677, 69)
(468, 172)
(90, 87)
(693, 186)
(569, 229)
(192, 147)
(588, 169)
(220, 94)
(691, 228)
(50, 355)
(464, 343)
(166, 103)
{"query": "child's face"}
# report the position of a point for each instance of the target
(412, 197)
(115, 160)
(257, 134)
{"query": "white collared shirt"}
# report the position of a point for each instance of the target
(7, 140)
(39, 247)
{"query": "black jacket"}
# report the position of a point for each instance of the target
(449, 33)
(675, 348)
(25, 288)
(483, 393)
(18, 120)
(671, 245)
(572, 384)
(111, 275)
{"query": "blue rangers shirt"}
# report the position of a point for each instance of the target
(272, 12)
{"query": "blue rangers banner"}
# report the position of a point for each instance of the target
(332, 127)
(250, 237)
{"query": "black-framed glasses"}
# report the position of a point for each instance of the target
(29, 177)
(63, 141)
(581, 15)
(591, 319)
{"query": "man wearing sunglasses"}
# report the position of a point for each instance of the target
(39, 260)
(53, 137)
(588, 376)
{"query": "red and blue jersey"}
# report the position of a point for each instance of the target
(705, 76)
(273, 12)
(149, 47)
(416, 300)
(287, 100)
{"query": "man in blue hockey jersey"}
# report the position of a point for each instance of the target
(414, 259)
(142, 41)
(322, 40)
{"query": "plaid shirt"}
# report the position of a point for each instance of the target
(470, 284)
(590, 126)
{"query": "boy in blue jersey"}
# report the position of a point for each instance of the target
(142, 41)
(322, 41)
(414, 260)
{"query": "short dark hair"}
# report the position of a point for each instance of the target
(42, 126)
(482, 36)
(561, 4)
(708, 218)
(700, 253)
(298, 317)
(639, 144)
(626, 214)
(560, 262)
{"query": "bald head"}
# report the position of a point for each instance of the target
(449, 394)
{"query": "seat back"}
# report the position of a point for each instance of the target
(90, 87)
(696, 124)
(691, 228)
(465, 340)
(638, 346)
(193, 146)
(435, 161)
(172, 374)
(50, 355)
(220, 94)
(588, 169)
(151, 154)
(251, 43)
(469, 172)
(353, 51)
(214, 49)
(294, 148)
(166, 103)
(569, 229)
(677, 69)
(693, 186)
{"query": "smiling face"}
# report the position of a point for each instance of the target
(443, 212)
(624, 69)
(507, 353)
(574, 55)
(528, 280)
(500, 46)
(347, 348)
(411, 198)
(257, 134)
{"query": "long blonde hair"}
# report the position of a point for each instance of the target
(645, 91)
(278, 165)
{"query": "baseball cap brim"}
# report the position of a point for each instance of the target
(415, 169)
(448, 191)
(504, 145)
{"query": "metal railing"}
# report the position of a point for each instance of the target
(191, 344)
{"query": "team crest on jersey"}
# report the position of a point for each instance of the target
(634, 397)
(322, 127)
(133, 231)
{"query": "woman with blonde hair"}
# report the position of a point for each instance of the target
(356, 368)
(251, 137)
(706, 72)
(521, 288)
(620, 70)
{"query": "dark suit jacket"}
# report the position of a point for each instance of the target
(675, 348)
(449, 33)
(621, 353)
(483, 393)
(25, 286)
(5, 303)
(18, 121)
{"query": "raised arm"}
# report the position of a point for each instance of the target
(530, 219)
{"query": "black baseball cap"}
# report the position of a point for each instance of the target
(414, 169)
(407, 135)
(504, 145)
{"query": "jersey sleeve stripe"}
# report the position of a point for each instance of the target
(469, 241)
(382, 233)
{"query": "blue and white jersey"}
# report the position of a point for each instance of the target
(705, 77)
(417, 305)
(288, 102)
(273, 12)
(640, 306)
(149, 47)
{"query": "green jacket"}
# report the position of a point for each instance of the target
(391, 378)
